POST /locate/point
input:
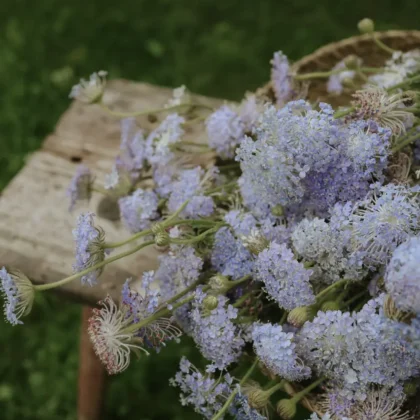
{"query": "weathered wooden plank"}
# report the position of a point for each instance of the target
(35, 225)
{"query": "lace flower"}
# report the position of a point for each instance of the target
(90, 91)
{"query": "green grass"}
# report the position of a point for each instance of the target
(219, 48)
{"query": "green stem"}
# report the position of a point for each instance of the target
(409, 81)
(325, 74)
(159, 314)
(97, 266)
(381, 45)
(330, 288)
(344, 112)
(405, 143)
(297, 397)
(183, 293)
(221, 187)
(283, 317)
(276, 388)
(353, 299)
(242, 299)
(151, 111)
(228, 402)
(195, 239)
(166, 223)
(101, 190)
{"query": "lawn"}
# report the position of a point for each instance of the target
(219, 48)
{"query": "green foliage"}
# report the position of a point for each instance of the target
(219, 48)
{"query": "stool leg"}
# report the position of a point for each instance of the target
(91, 376)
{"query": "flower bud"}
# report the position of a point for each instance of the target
(298, 316)
(330, 305)
(277, 211)
(162, 238)
(366, 26)
(258, 399)
(219, 284)
(286, 409)
(210, 302)
(352, 62)
(348, 83)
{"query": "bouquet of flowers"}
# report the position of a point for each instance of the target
(292, 257)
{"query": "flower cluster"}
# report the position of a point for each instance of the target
(291, 249)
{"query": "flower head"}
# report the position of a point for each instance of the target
(180, 95)
(19, 293)
(217, 337)
(225, 130)
(286, 280)
(111, 341)
(206, 394)
(139, 209)
(159, 142)
(388, 110)
(281, 78)
(80, 187)
(190, 186)
(385, 222)
(90, 91)
(402, 279)
(90, 251)
(276, 350)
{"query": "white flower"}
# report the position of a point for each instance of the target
(90, 91)
(180, 95)
(111, 343)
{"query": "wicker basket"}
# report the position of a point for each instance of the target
(325, 58)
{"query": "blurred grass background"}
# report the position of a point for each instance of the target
(215, 48)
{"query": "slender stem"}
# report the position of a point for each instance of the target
(195, 238)
(181, 294)
(221, 187)
(344, 112)
(297, 397)
(151, 111)
(354, 298)
(191, 143)
(405, 143)
(101, 190)
(331, 287)
(159, 314)
(275, 388)
(405, 83)
(283, 317)
(242, 299)
(381, 45)
(228, 402)
(93, 268)
(325, 74)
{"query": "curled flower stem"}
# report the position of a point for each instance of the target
(152, 111)
(330, 288)
(97, 266)
(381, 45)
(228, 402)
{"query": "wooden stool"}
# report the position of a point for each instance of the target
(36, 227)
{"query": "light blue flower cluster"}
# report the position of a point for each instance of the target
(286, 280)
(139, 209)
(276, 349)
(402, 277)
(89, 241)
(217, 337)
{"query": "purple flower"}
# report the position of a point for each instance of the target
(189, 186)
(89, 247)
(382, 224)
(139, 209)
(217, 337)
(276, 349)
(160, 140)
(225, 130)
(80, 187)
(281, 79)
(402, 278)
(229, 255)
(206, 394)
(286, 280)
(19, 295)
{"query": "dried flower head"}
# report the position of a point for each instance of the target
(90, 91)
(111, 342)
(19, 293)
(388, 110)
